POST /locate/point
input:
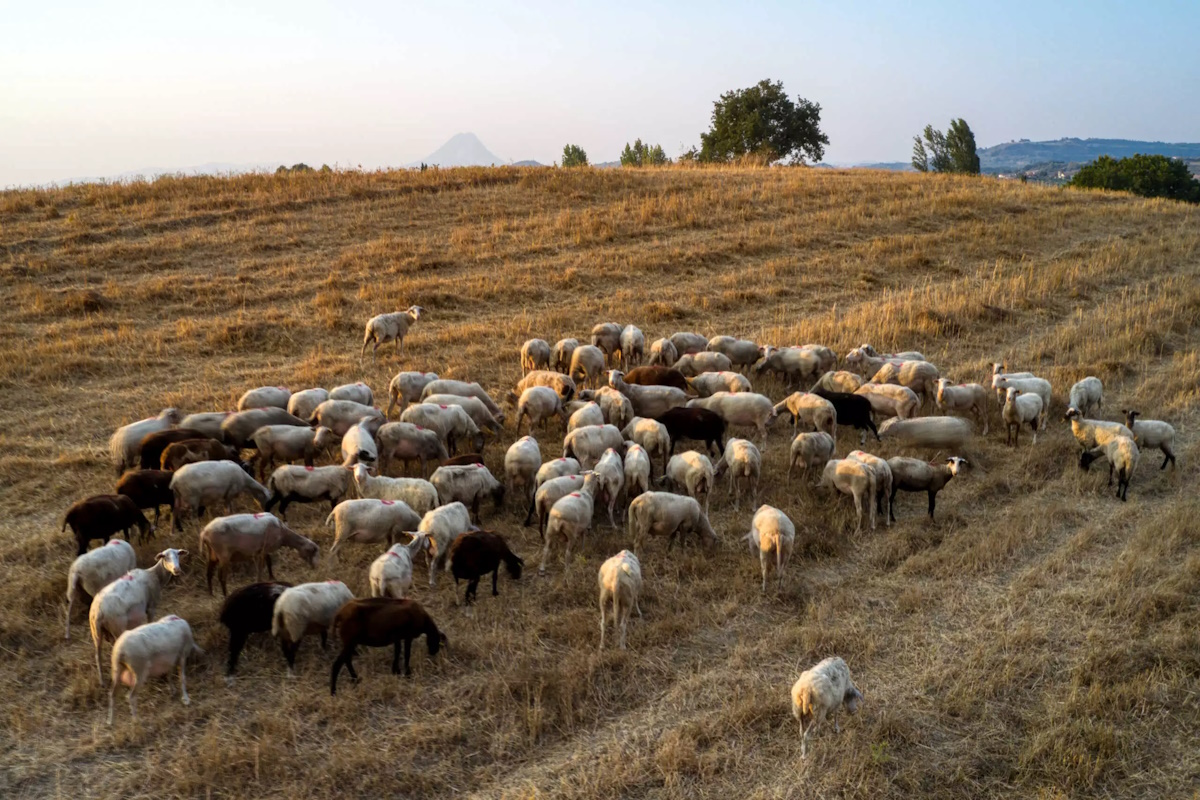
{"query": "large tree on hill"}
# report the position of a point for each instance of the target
(1148, 176)
(762, 120)
(643, 155)
(952, 151)
(574, 156)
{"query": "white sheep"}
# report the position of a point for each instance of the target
(294, 484)
(370, 521)
(249, 537)
(797, 365)
(125, 445)
(560, 354)
(663, 353)
(358, 446)
(743, 462)
(587, 365)
(855, 479)
(633, 346)
(741, 409)
(265, 397)
(648, 401)
(302, 404)
(810, 450)
(915, 475)
(587, 444)
(1086, 395)
(606, 336)
(535, 354)
(997, 371)
(304, 610)
(549, 493)
(814, 411)
(840, 381)
(393, 327)
(468, 484)
(96, 569)
(570, 518)
(686, 343)
(742, 353)
(962, 398)
(670, 515)
(771, 534)
(692, 364)
(406, 388)
(589, 413)
(708, 383)
(1122, 454)
(417, 493)
(443, 525)
(905, 355)
(150, 651)
(236, 429)
(358, 392)
(652, 435)
(620, 580)
(391, 575)
(131, 600)
(206, 422)
(1152, 433)
(1038, 386)
(443, 386)
(864, 363)
(539, 404)
(883, 482)
(637, 470)
(556, 468)
(890, 400)
(211, 484)
(692, 473)
(342, 415)
(476, 409)
(289, 443)
(942, 433)
(615, 407)
(564, 385)
(1094, 432)
(452, 424)
(610, 470)
(408, 442)
(920, 376)
(1021, 408)
(522, 461)
(820, 692)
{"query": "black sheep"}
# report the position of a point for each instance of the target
(102, 515)
(475, 554)
(853, 410)
(246, 611)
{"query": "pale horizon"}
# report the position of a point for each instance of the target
(98, 91)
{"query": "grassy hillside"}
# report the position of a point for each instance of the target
(1040, 639)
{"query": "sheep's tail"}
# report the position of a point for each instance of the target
(277, 624)
(329, 519)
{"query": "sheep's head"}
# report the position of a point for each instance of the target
(171, 416)
(416, 312)
(1130, 417)
(852, 699)
(171, 560)
(1013, 393)
(324, 437)
(956, 464)
(1072, 412)
(310, 552)
(361, 473)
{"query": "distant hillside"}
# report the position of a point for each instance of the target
(463, 150)
(1015, 156)
(528, 163)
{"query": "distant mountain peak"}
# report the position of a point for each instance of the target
(463, 150)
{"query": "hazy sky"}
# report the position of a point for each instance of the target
(101, 87)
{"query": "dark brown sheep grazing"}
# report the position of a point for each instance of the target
(698, 424)
(466, 459)
(152, 447)
(148, 488)
(379, 622)
(102, 515)
(246, 611)
(657, 375)
(193, 450)
(475, 554)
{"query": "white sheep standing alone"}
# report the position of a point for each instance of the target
(96, 569)
(305, 610)
(620, 580)
(126, 442)
(1021, 408)
(820, 692)
(393, 327)
(771, 533)
(391, 575)
(148, 652)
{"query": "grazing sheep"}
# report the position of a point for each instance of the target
(209, 483)
(865, 364)
(797, 365)
(535, 354)
(393, 327)
(742, 353)
(131, 600)
(743, 462)
(302, 404)
(369, 521)
(942, 433)
(150, 651)
(124, 446)
(1086, 395)
(890, 400)
(265, 397)
(743, 409)
(1020, 408)
(476, 409)
(998, 372)
(920, 376)
(620, 580)
(610, 469)
(648, 401)
(148, 488)
(615, 407)
(696, 424)
(556, 468)
(468, 485)
(192, 451)
(358, 392)
(1038, 386)
(452, 424)
(151, 448)
(606, 337)
(589, 443)
(293, 484)
(667, 514)
(237, 429)
(207, 423)
(538, 403)
(692, 473)
(463, 460)
(443, 386)
(248, 610)
(883, 482)
(817, 413)
(1152, 433)
(443, 525)
(663, 353)
(771, 533)
(94, 570)
(560, 354)
(964, 398)
(819, 692)
(549, 493)
(915, 475)
(475, 554)
(570, 518)
(249, 537)
(379, 622)
(417, 493)
(1122, 454)
(342, 415)
(391, 574)
(102, 515)
(406, 388)
(587, 365)
(826, 358)
(855, 479)
(652, 435)
(840, 381)
(692, 364)
(633, 345)
(289, 443)
(358, 445)
(811, 451)
(637, 470)
(688, 343)
(305, 610)
(562, 384)
(408, 442)
(653, 375)
(708, 383)
(906, 355)
(587, 414)
(852, 409)
(522, 461)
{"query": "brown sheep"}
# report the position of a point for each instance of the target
(379, 622)
(657, 376)
(153, 445)
(102, 515)
(148, 488)
(475, 554)
(193, 450)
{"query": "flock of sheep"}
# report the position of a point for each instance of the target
(623, 421)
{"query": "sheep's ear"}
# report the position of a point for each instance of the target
(183, 553)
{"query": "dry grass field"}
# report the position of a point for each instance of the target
(1040, 639)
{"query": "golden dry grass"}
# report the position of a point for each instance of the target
(1040, 639)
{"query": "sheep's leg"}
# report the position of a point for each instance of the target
(212, 567)
(289, 653)
(270, 570)
(545, 554)
(99, 671)
(858, 506)
(804, 739)
(396, 646)
(224, 575)
(407, 653)
(133, 698)
(602, 619)
(237, 640)
(495, 576)
(1110, 474)
(762, 558)
(183, 695)
(932, 503)
(112, 691)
